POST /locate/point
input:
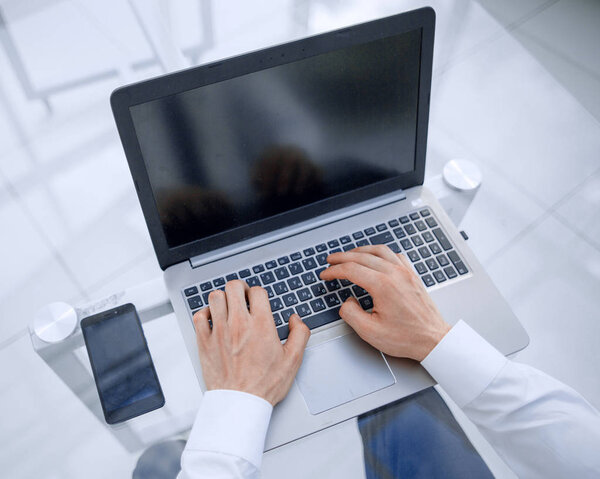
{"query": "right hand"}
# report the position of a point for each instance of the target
(405, 321)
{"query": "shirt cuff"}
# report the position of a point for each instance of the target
(463, 363)
(231, 422)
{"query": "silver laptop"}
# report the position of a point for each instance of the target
(259, 166)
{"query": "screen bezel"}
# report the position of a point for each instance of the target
(122, 99)
(143, 405)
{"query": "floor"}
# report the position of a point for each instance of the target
(516, 90)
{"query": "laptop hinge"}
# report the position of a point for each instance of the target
(278, 235)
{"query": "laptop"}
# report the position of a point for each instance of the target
(259, 166)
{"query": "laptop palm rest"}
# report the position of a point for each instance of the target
(340, 370)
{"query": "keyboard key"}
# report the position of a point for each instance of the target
(259, 268)
(219, 282)
(381, 227)
(399, 232)
(461, 268)
(319, 271)
(370, 231)
(337, 250)
(276, 304)
(295, 256)
(425, 212)
(195, 302)
(410, 229)
(366, 302)
(431, 222)
(450, 272)
(332, 285)
(317, 305)
(309, 263)
(358, 235)
(277, 319)
(331, 300)
(269, 291)
(358, 291)
(453, 255)
(333, 243)
(417, 240)
(441, 237)
(348, 247)
(428, 237)
(283, 260)
(442, 260)
(296, 268)
(271, 264)
(309, 278)
(345, 282)
(290, 299)
(253, 281)
(394, 247)
(424, 252)
(382, 238)
(404, 219)
(413, 256)
(303, 310)
(282, 273)
(318, 289)
(323, 318)
(420, 225)
(406, 244)
(244, 273)
(206, 286)
(267, 278)
(420, 267)
(304, 294)
(190, 291)
(434, 247)
(414, 216)
(431, 264)
(286, 313)
(309, 251)
(231, 277)
(393, 223)
(362, 242)
(280, 288)
(322, 258)
(439, 276)
(428, 280)
(283, 332)
(345, 239)
(205, 297)
(294, 283)
(344, 294)
(320, 248)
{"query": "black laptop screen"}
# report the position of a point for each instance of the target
(232, 153)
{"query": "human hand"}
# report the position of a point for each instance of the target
(242, 350)
(405, 321)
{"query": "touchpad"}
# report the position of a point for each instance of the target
(340, 370)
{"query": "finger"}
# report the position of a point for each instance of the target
(259, 303)
(366, 278)
(297, 339)
(369, 260)
(382, 251)
(236, 300)
(202, 325)
(355, 316)
(217, 302)
(405, 262)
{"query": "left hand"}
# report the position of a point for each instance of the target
(242, 351)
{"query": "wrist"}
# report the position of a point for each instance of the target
(433, 339)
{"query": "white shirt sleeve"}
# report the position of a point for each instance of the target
(539, 426)
(228, 436)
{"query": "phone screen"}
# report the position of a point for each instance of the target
(125, 376)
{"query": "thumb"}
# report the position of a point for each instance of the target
(298, 337)
(354, 315)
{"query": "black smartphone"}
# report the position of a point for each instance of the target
(125, 377)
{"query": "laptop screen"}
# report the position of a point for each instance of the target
(237, 152)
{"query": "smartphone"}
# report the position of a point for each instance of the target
(125, 377)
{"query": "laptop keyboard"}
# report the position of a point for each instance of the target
(292, 281)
